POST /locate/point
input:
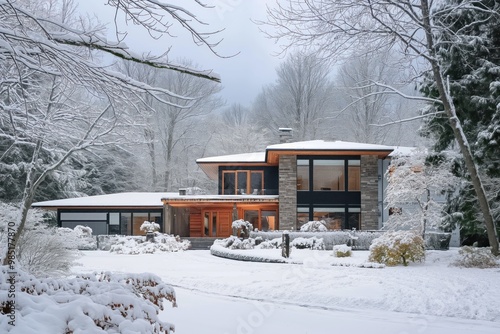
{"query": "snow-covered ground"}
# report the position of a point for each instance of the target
(217, 295)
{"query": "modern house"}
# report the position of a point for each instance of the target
(282, 188)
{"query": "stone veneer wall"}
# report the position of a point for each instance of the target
(369, 192)
(287, 192)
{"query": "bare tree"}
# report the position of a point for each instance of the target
(56, 100)
(298, 99)
(330, 28)
(237, 131)
(362, 102)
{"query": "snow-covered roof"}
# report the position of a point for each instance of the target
(144, 199)
(337, 145)
(243, 157)
(130, 199)
(402, 150)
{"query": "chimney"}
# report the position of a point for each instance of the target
(285, 135)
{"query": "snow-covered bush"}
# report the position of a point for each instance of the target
(137, 245)
(312, 243)
(330, 238)
(91, 303)
(342, 251)
(79, 237)
(270, 244)
(397, 247)
(149, 227)
(43, 251)
(314, 226)
(40, 250)
(476, 257)
(234, 242)
(242, 227)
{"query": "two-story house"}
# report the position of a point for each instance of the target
(282, 188)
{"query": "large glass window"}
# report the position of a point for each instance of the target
(302, 174)
(139, 219)
(126, 223)
(244, 182)
(328, 175)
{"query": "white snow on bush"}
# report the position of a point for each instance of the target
(138, 245)
(91, 303)
(149, 226)
(244, 255)
(314, 226)
(310, 243)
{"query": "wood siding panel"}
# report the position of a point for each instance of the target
(195, 225)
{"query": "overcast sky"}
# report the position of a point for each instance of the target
(242, 75)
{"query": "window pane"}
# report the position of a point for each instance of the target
(268, 220)
(256, 182)
(242, 183)
(229, 183)
(328, 175)
(214, 224)
(206, 224)
(126, 222)
(333, 217)
(353, 219)
(139, 219)
(252, 216)
(302, 216)
(302, 174)
(354, 171)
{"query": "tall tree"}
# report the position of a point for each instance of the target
(298, 99)
(473, 71)
(332, 27)
(55, 99)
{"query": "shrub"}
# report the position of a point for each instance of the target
(475, 257)
(314, 226)
(394, 248)
(312, 243)
(137, 245)
(342, 251)
(89, 303)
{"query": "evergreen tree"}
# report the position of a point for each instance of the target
(473, 71)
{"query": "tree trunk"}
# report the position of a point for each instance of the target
(462, 141)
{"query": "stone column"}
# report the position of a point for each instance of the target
(287, 192)
(369, 192)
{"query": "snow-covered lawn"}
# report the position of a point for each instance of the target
(217, 295)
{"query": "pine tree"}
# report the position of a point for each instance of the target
(473, 71)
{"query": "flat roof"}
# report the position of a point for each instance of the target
(146, 200)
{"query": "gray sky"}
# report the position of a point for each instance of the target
(242, 75)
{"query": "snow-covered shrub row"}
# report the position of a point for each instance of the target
(398, 247)
(314, 226)
(476, 257)
(138, 245)
(362, 241)
(309, 243)
(91, 303)
(360, 265)
(342, 251)
(234, 242)
(242, 255)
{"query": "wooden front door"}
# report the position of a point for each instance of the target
(217, 223)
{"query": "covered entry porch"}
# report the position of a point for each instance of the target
(212, 217)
